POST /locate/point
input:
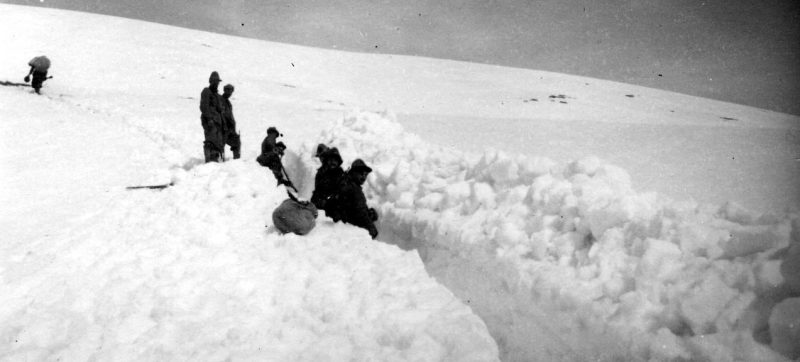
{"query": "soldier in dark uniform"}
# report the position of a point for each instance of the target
(39, 66)
(211, 119)
(271, 153)
(349, 204)
(329, 176)
(231, 137)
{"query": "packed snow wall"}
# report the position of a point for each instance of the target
(568, 262)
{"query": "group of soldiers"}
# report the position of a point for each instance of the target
(339, 193)
(216, 117)
(336, 191)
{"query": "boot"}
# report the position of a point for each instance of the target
(216, 156)
(207, 153)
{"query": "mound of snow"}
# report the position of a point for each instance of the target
(190, 272)
(572, 258)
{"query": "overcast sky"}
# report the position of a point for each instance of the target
(741, 51)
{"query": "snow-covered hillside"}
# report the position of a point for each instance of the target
(484, 253)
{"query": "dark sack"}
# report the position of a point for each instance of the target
(40, 63)
(295, 217)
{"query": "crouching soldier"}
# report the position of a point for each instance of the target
(329, 175)
(231, 137)
(349, 204)
(211, 119)
(271, 153)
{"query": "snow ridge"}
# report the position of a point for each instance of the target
(191, 273)
(526, 244)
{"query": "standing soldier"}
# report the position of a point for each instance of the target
(350, 204)
(229, 123)
(39, 66)
(211, 119)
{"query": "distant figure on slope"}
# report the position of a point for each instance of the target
(271, 154)
(211, 119)
(329, 175)
(349, 204)
(39, 66)
(231, 137)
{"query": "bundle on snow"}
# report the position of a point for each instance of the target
(293, 216)
(40, 63)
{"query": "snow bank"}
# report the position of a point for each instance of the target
(571, 262)
(191, 273)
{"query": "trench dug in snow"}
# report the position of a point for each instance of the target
(570, 263)
(523, 331)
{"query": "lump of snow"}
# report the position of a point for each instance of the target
(666, 346)
(586, 165)
(539, 243)
(702, 240)
(510, 234)
(784, 327)
(456, 193)
(547, 193)
(731, 346)
(503, 171)
(430, 201)
(737, 213)
(405, 201)
(616, 177)
(768, 275)
(705, 302)
(531, 168)
(790, 268)
(661, 260)
(606, 200)
(483, 195)
(754, 239)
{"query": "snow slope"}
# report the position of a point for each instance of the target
(561, 260)
(89, 270)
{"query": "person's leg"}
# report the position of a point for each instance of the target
(218, 140)
(213, 142)
(207, 151)
(216, 156)
(38, 79)
(236, 145)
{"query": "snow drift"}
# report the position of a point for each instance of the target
(191, 273)
(574, 255)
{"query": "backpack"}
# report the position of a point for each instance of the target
(40, 63)
(293, 216)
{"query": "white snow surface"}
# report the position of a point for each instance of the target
(484, 252)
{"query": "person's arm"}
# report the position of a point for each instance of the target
(360, 213)
(28, 76)
(218, 104)
(204, 107)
